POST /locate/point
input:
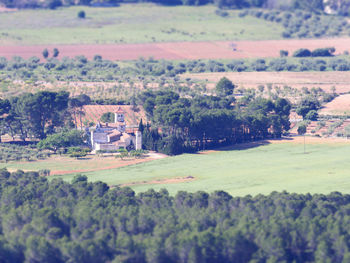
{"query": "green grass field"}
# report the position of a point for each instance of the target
(130, 23)
(273, 167)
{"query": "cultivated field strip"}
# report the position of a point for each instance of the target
(93, 113)
(181, 50)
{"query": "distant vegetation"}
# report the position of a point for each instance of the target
(130, 23)
(152, 22)
(301, 24)
(81, 69)
(57, 221)
(316, 6)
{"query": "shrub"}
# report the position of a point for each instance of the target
(286, 34)
(98, 58)
(284, 53)
(302, 52)
(312, 115)
(243, 13)
(259, 65)
(44, 172)
(53, 4)
(237, 65)
(323, 52)
(77, 149)
(55, 52)
(223, 13)
(45, 53)
(81, 14)
(224, 87)
(278, 64)
(302, 129)
(77, 154)
(306, 105)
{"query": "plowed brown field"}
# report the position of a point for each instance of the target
(325, 80)
(93, 113)
(181, 50)
(338, 106)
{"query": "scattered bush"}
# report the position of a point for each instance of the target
(45, 53)
(221, 13)
(44, 172)
(55, 52)
(81, 14)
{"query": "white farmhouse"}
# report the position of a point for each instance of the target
(114, 136)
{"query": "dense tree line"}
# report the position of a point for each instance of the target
(340, 7)
(55, 221)
(209, 121)
(45, 113)
(315, 5)
(36, 115)
(33, 114)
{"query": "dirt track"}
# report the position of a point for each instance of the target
(162, 181)
(7, 10)
(181, 50)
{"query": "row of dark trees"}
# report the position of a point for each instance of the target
(55, 221)
(184, 124)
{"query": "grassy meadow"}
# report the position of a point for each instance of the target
(64, 164)
(130, 23)
(257, 170)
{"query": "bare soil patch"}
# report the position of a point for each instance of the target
(7, 10)
(119, 164)
(339, 106)
(324, 80)
(60, 165)
(181, 50)
(114, 163)
(162, 181)
(313, 140)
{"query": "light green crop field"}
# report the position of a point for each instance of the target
(273, 167)
(130, 23)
